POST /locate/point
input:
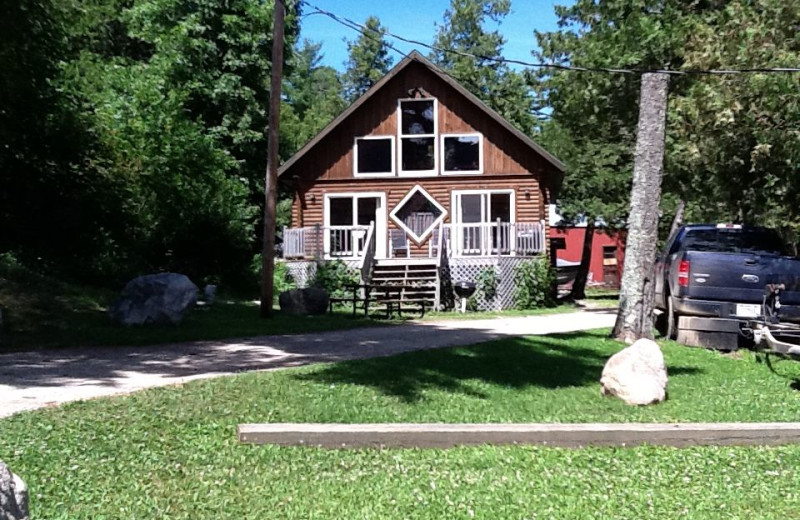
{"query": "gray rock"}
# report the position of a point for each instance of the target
(209, 293)
(154, 298)
(636, 374)
(302, 302)
(13, 495)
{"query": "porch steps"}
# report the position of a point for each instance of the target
(422, 276)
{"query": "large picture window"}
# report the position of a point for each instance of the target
(417, 131)
(462, 153)
(374, 156)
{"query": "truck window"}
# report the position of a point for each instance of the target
(753, 241)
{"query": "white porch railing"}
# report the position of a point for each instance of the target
(479, 239)
(325, 242)
(495, 238)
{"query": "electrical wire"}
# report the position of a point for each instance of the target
(363, 29)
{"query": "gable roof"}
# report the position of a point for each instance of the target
(417, 57)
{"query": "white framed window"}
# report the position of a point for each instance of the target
(462, 154)
(418, 214)
(483, 206)
(417, 127)
(374, 156)
(483, 222)
(346, 219)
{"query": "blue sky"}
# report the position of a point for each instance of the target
(416, 19)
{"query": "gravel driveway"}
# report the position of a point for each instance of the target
(30, 380)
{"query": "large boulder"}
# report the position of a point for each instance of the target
(302, 302)
(13, 495)
(636, 374)
(154, 298)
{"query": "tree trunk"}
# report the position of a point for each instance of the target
(271, 178)
(635, 316)
(579, 285)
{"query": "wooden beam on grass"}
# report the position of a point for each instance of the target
(402, 435)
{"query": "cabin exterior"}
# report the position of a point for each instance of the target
(418, 181)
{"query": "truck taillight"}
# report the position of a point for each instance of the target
(683, 273)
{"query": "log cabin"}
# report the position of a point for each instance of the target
(421, 183)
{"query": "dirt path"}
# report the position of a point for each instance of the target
(32, 380)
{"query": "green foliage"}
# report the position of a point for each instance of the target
(333, 275)
(312, 98)
(368, 60)
(464, 30)
(134, 134)
(282, 279)
(534, 284)
(734, 147)
(185, 435)
(486, 282)
(730, 154)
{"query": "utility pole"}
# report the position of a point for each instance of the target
(635, 316)
(271, 182)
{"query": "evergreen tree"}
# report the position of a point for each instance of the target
(470, 53)
(368, 60)
(312, 98)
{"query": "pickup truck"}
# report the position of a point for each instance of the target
(710, 280)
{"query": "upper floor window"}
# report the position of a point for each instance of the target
(417, 133)
(462, 153)
(418, 149)
(374, 156)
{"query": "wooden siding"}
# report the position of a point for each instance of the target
(528, 208)
(504, 154)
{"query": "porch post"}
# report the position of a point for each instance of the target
(319, 253)
(499, 235)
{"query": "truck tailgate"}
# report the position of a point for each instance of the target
(740, 277)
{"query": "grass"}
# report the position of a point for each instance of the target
(42, 312)
(171, 452)
(78, 327)
(477, 315)
(600, 298)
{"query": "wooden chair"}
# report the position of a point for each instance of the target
(433, 244)
(398, 241)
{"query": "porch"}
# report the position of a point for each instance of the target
(355, 243)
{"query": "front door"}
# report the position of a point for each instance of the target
(482, 221)
(347, 216)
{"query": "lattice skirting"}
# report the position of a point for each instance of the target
(303, 271)
(453, 270)
(469, 268)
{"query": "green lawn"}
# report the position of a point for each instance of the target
(172, 452)
(41, 312)
(477, 315)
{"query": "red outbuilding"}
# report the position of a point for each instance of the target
(608, 253)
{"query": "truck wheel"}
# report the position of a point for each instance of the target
(672, 320)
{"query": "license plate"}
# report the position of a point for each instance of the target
(748, 310)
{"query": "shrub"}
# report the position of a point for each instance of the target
(534, 281)
(282, 279)
(333, 275)
(486, 282)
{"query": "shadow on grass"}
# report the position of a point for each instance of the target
(85, 326)
(558, 361)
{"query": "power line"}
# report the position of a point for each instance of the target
(363, 29)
